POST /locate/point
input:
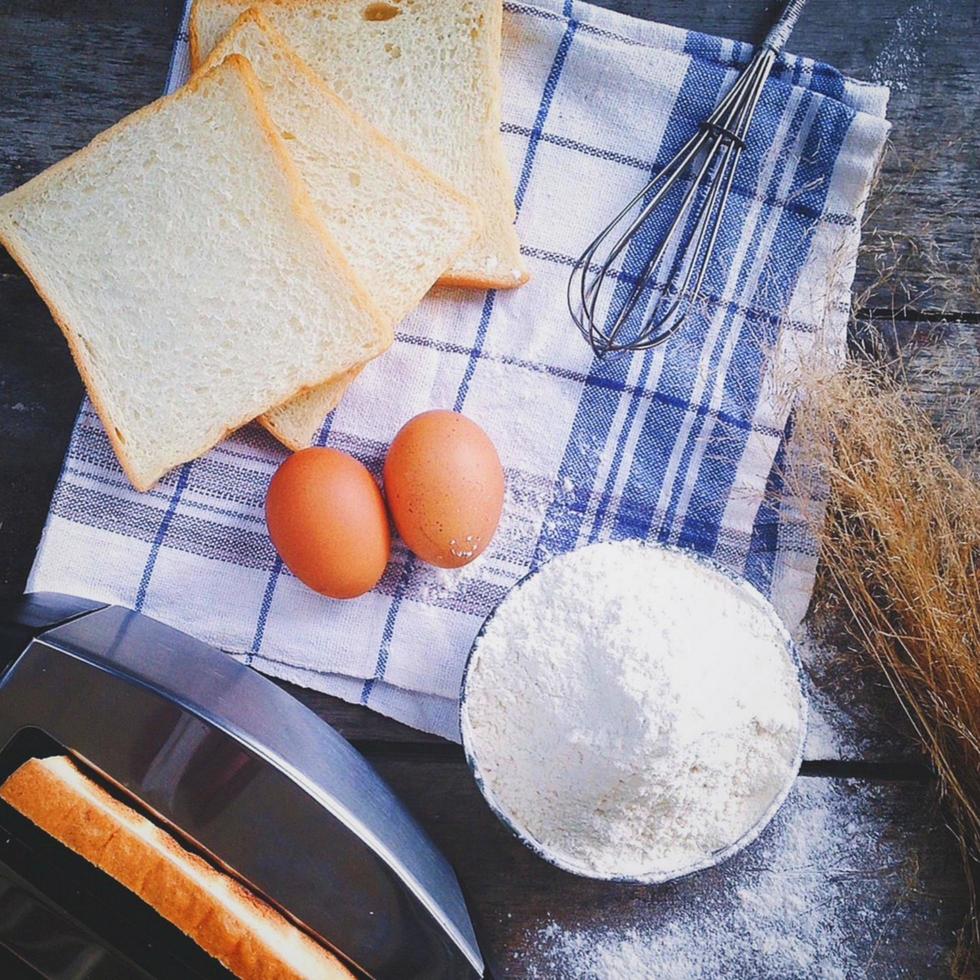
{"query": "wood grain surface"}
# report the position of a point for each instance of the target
(878, 891)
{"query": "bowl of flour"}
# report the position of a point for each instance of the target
(633, 712)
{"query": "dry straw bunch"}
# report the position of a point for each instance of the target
(901, 554)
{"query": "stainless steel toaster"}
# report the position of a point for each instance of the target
(232, 765)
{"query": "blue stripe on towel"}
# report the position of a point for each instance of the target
(264, 607)
(151, 560)
(599, 404)
(791, 242)
(736, 373)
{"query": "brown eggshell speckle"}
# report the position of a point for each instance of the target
(445, 487)
(327, 519)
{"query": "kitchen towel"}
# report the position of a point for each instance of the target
(685, 444)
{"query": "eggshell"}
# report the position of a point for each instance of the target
(445, 487)
(327, 519)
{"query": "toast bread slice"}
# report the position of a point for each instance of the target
(181, 256)
(427, 74)
(246, 934)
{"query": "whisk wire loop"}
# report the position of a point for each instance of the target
(707, 162)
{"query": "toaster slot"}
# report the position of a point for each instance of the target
(64, 919)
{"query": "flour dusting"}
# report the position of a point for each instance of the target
(632, 711)
(828, 736)
(906, 47)
(830, 892)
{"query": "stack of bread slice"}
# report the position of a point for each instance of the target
(241, 248)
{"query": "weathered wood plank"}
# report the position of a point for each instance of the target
(852, 879)
(70, 69)
(39, 395)
(939, 363)
(360, 724)
(854, 715)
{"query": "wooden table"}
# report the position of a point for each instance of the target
(857, 876)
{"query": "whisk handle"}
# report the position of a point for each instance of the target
(779, 34)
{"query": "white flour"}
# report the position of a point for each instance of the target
(631, 712)
(848, 882)
(909, 43)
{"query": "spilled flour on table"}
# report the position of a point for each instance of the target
(906, 48)
(829, 735)
(825, 893)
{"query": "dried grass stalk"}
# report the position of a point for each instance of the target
(901, 553)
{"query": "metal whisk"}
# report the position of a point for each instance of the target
(711, 155)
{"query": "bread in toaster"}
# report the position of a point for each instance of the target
(425, 73)
(398, 224)
(181, 256)
(247, 935)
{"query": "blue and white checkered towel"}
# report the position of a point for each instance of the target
(683, 444)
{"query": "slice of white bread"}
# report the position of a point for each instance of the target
(180, 254)
(427, 73)
(223, 917)
(397, 223)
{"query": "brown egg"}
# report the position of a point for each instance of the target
(445, 487)
(326, 518)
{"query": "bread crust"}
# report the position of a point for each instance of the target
(341, 383)
(457, 281)
(184, 888)
(454, 279)
(302, 207)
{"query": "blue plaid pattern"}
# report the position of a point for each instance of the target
(685, 444)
